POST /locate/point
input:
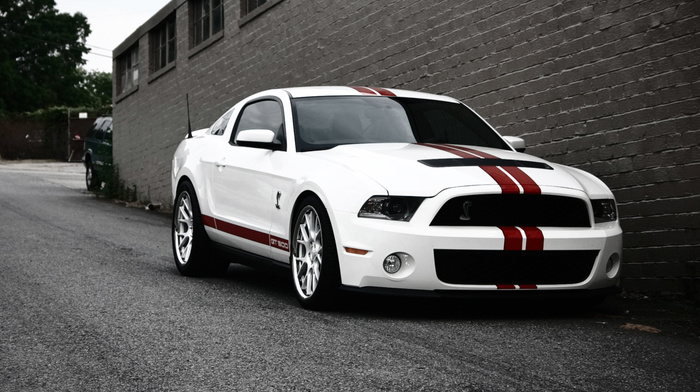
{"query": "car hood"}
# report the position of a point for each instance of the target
(427, 169)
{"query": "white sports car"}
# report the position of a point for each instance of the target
(386, 190)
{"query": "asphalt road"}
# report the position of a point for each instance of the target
(90, 300)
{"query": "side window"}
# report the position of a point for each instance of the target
(107, 125)
(220, 125)
(95, 126)
(266, 114)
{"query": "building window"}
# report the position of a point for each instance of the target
(128, 70)
(163, 44)
(251, 9)
(207, 19)
(247, 6)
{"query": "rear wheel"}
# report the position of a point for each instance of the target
(314, 257)
(192, 249)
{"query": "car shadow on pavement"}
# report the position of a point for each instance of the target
(676, 316)
(629, 313)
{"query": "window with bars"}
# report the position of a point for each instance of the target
(163, 44)
(207, 19)
(128, 70)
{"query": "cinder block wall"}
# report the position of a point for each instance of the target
(609, 87)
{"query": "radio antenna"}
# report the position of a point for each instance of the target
(189, 124)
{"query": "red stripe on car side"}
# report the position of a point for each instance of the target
(246, 233)
(513, 238)
(365, 90)
(505, 286)
(243, 232)
(534, 238)
(209, 221)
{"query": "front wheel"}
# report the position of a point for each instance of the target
(191, 245)
(314, 257)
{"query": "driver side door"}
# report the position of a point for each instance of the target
(242, 180)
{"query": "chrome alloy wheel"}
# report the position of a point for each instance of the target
(183, 232)
(307, 252)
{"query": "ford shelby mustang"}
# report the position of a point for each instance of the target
(381, 189)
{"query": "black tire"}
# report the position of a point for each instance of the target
(313, 256)
(192, 249)
(91, 179)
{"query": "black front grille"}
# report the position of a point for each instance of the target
(513, 210)
(495, 267)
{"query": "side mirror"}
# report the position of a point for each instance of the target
(258, 138)
(517, 143)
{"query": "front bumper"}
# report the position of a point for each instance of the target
(571, 294)
(420, 244)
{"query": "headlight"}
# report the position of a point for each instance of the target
(604, 210)
(390, 207)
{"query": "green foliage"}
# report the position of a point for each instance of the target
(41, 60)
(96, 88)
(114, 187)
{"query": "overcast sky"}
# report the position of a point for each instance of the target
(111, 22)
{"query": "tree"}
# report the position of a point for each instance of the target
(41, 54)
(96, 88)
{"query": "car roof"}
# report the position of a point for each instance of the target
(328, 91)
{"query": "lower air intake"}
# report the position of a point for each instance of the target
(498, 267)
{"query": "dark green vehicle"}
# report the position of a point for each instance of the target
(98, 151)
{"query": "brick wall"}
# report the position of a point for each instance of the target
(609, 87)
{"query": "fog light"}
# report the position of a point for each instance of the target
(392, 264)
(612, 267)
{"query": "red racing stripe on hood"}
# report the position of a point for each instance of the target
(526, 182)
(510, 178)
(506, 183)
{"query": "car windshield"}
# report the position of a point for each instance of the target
(325, 122)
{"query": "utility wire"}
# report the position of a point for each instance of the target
(59, 44)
